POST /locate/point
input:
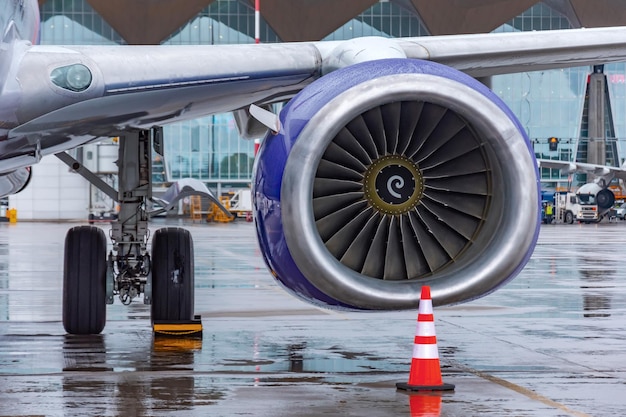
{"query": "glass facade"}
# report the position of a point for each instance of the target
(547, 103)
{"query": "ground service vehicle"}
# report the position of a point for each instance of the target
(620, 212)
(570, 207)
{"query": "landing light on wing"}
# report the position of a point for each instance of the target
(75, 77)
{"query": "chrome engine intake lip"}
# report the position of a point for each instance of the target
(503, 240)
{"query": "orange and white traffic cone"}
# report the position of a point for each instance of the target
(425, 372)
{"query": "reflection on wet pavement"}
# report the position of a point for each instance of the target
(551, 343)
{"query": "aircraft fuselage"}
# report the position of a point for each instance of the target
(19, 22)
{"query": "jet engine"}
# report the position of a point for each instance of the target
(393, 174)
(15, 181)
(604, 197)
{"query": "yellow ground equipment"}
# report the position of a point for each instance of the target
(195, 207)
(178, 329)
(217, 215)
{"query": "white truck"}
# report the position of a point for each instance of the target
(588, 205)
(581, 207)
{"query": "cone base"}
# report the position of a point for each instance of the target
(408, 387)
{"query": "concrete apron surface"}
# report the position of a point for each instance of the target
(551, 343)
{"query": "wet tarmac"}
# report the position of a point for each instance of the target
(551, 343)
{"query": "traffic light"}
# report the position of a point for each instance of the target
(554, 143)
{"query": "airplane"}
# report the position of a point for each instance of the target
(392, 165)
(598, 188)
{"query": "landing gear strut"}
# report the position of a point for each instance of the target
(92, 280)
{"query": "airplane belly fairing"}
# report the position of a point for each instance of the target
(390, 175)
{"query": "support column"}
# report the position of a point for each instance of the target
(596, 148)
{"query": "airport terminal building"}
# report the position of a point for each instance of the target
(547, 103)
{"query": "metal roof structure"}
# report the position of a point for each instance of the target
(152, 21)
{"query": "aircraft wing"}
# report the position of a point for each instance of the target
(572, 167)
(490, 54)
(144, 86)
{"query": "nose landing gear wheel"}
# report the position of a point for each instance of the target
(172, 275)
(84, 280)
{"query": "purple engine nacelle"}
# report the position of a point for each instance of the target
(394, 174)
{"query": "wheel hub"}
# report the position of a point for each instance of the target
(393, 185)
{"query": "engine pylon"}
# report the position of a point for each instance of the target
(425, 374)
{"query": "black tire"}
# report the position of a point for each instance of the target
(172, 275)
(84, 280)
(569, 217)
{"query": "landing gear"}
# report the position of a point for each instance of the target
(172, 275)
(92, 279)
(84, 278)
